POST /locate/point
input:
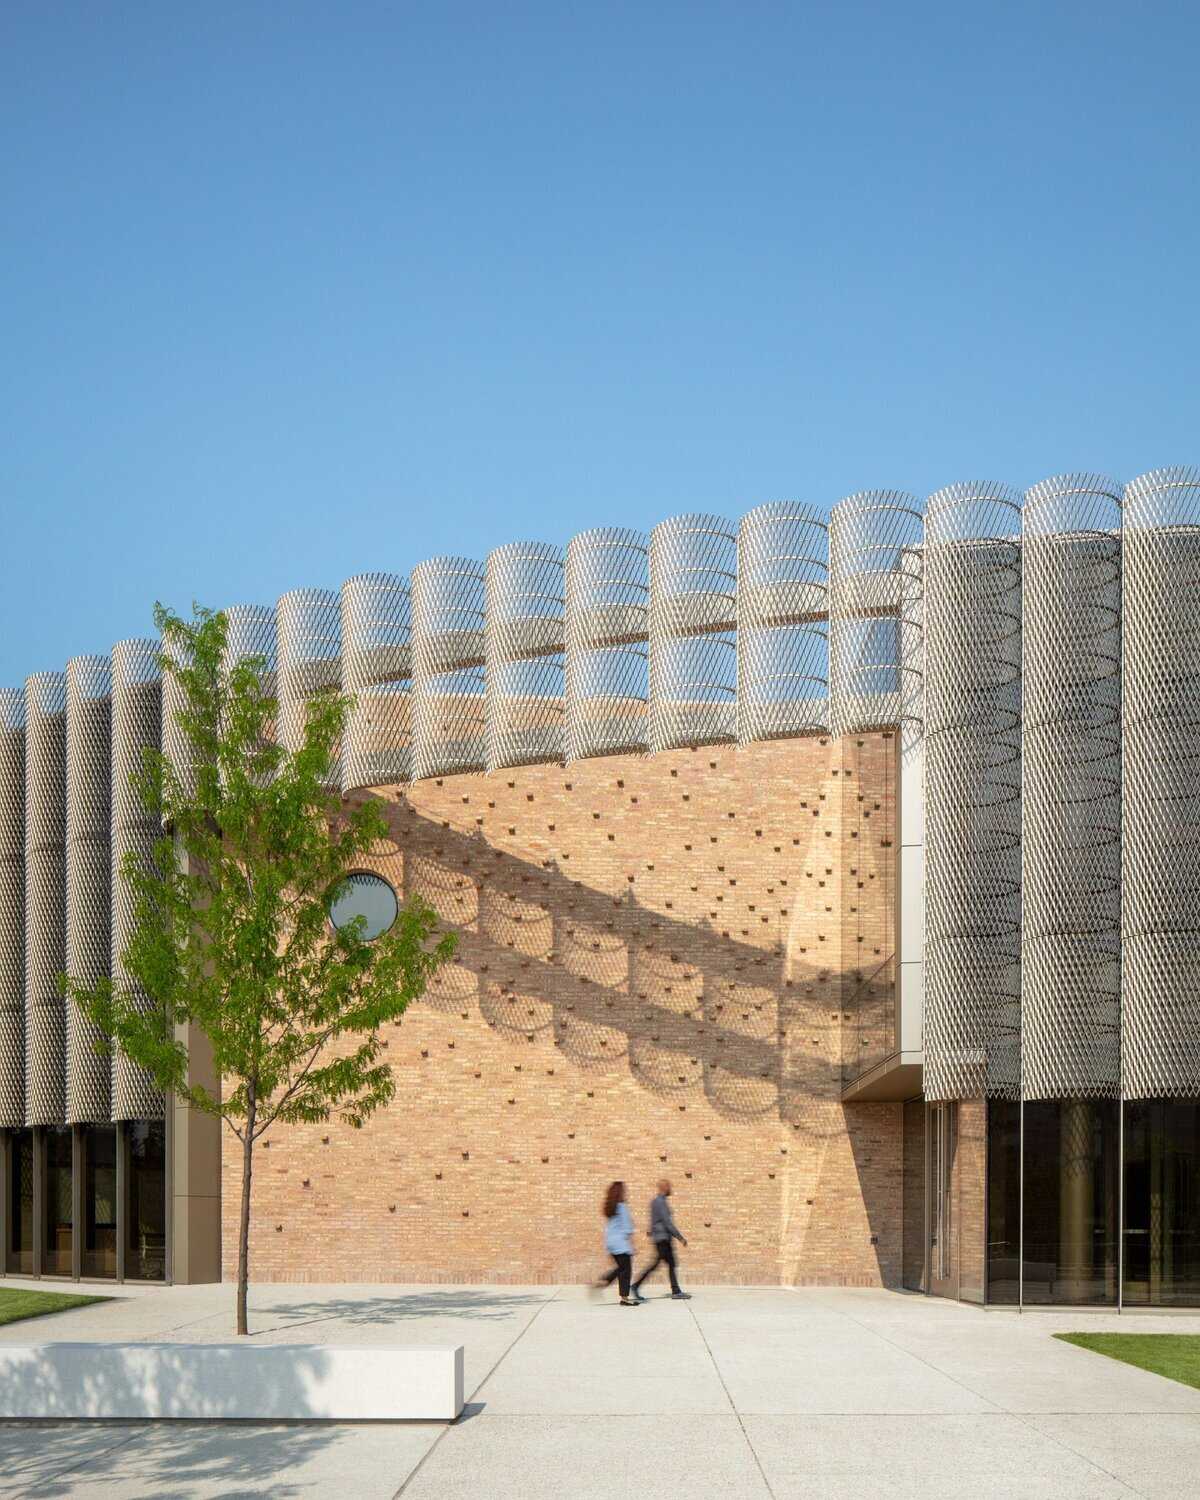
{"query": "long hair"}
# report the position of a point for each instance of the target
(616, 1191)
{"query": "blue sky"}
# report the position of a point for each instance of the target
(289, 292)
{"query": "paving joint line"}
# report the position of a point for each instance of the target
(420, 1464)
(105, 1453)
(732, 1407)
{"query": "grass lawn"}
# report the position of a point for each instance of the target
(1175, 1355)
(15, 1305)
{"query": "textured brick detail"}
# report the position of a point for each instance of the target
(655, 964)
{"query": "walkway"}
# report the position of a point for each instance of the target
(738, 1393)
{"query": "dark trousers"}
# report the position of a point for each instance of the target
(665, 1257)
(620, 1273)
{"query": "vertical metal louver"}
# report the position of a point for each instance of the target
(45, 897)
(89, 879)
(607, 651)
(137, 696)
(308, 638)
(782, 622)
(693, 632)
(1160, 1032)
(449, 717)
(972, 612)
(524, 641)
(377, 675)
(12, 909)
(1071, 789)
(874, 577)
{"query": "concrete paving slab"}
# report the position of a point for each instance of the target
(1154, 1454)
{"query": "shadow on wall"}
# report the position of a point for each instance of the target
(170, 1460)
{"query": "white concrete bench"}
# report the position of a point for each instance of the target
(230, 1382)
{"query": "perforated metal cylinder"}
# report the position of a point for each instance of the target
(377, 675)
(1160, 1030)
(12, 909)
(972, 792)
(524, 642)
(308, 636)
(1071, 789)
(782, 623)
(693, 632)
(137, 694)
(250, 632)
(874, 576)
(89, 879)
(449, 716)
(607, 655)
(45, 897)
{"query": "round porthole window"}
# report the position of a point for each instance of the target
(368, 896)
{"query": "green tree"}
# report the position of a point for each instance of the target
(233, 933)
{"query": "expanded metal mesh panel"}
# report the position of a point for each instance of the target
(377, 674)
(607, 656)
(524, 641)
(449, 715)
(782, 624)
(693, 632)
(45, 897)
(308, 636)
(1160, 1032)
(176, 747)
(137, 694)
(874, 594)
(250, 632)
(89, 878)
(12, 909)
(972, 613)
(1071, 789)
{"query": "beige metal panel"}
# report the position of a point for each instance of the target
(45, 897)
(12, 909)
(524, 642)
(693, 632)
(89, 867)
(1071, 788)
(137, 697)
(1160, 1021)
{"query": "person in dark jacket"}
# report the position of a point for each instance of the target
(663, 1232)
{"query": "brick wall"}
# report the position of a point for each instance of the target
(656, 960)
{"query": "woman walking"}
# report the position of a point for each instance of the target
(618, 1241)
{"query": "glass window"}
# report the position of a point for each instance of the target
(1071, 1201)
(1162, 1202)
(58, 1216)
(99, 1201)
(1004, 1199)
(19, 1251)
(367, 896)
(146, 1214)
(913, 1196)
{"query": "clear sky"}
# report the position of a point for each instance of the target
(294, 291)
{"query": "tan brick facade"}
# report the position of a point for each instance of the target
(659, 961)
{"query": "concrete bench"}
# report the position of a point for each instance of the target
(230, 1382)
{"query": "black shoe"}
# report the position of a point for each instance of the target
(682, 1296)
(637, 1296)
(631, 1301)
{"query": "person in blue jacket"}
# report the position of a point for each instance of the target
(618, 1241)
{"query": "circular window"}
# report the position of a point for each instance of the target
(367, 896)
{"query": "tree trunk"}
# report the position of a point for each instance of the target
(243, 1271)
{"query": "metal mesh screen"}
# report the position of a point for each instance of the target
(45, 897)
(874, 577)
(782, 624)
(89, 867)
(137, 694)
(449, 717)
(1071, 788)
(377, 674)
(12, 909)
(1160, 1033)
(972, 792)
(607, 656)
(693, 632)
(308, 636)
(524, 639)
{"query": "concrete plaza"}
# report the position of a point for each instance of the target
(739, 1393)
